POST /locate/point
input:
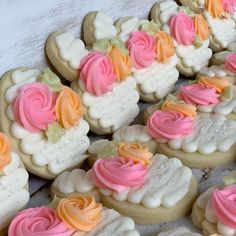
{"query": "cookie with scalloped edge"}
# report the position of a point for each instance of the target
(44, 121)
(73, 215)
(199, 140)
(97, 25)
(221, 20)
(190, 33)
(153, 63)
(213, 211)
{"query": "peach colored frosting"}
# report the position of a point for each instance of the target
(224, 205)
(118, 174)
(185, 109)
(230, 62)
(97, 73)
(135, 152)
(182, 28)
(5, 149)
(198, 94)
(40, 221)
(169, 125)
(201, 27)
(69, 108)
(214, 7)
(79, 212)
(229, 6)
(164, 46)
(34, 107)
(121, 62)
(142, 49)
(218, 84)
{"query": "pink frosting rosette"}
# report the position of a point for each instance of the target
(118, 174)
(169, 125)
(142, 49)
(41, 221)
(229, 5)
(224, 205)
(230, 62)
(198, 94)
(34, 107)
(97, 73)
(182, 28)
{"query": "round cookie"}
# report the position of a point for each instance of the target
(179, 231)
(97, 25)
(220, 18)
(192, 137)
(71, 216)
(159, 192)
(13, 184)
(213, 210)
(45, 146)
(190, 33)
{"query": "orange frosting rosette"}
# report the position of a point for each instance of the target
(121, 63)
(68, 108)
(80, 212)
(164, 46)
(184, 108)
(218, 84)
(214, 7)
(201, 27)
(135, 152)
(5, 150)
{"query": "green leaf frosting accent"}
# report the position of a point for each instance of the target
(226, 14)
(187, 11)
(170, 97)
(231, 179)
(50, 79)
(193, 81)
(197, 42)
(150, 26)
(227, 94)
(54, 132)
(109, 150)
(102, 45)
(54, 203)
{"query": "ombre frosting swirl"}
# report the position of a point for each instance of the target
(217, 83)
(214, 7)
(118, 174)
(164, 47)
(201, 27)
(41, 221)
(135, 152)
(169, 125)
(97, 73)
(79, 212)
(142, 49)
(68, 108)
(182, 28)
(224, 205)
(230, 62)
(229, 6)
(5, 150)
(34, 107)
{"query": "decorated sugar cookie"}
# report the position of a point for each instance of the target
(98, 25)
(226, 70)
(103, 80)
(72, 216)
(104, 148)
(199, 140)
(44, 121)
(14, 192)
(180, 231)
(214, 210)
(190, 33)
(149, 190)
(220, 16)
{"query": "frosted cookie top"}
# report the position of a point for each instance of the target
(13, 183)
(180, 231)
(75, 215)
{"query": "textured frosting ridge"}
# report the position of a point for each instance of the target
(201, 27)
(5, 149)
(230, 62)
(214, 7)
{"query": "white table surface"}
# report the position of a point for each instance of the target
(25, 26)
